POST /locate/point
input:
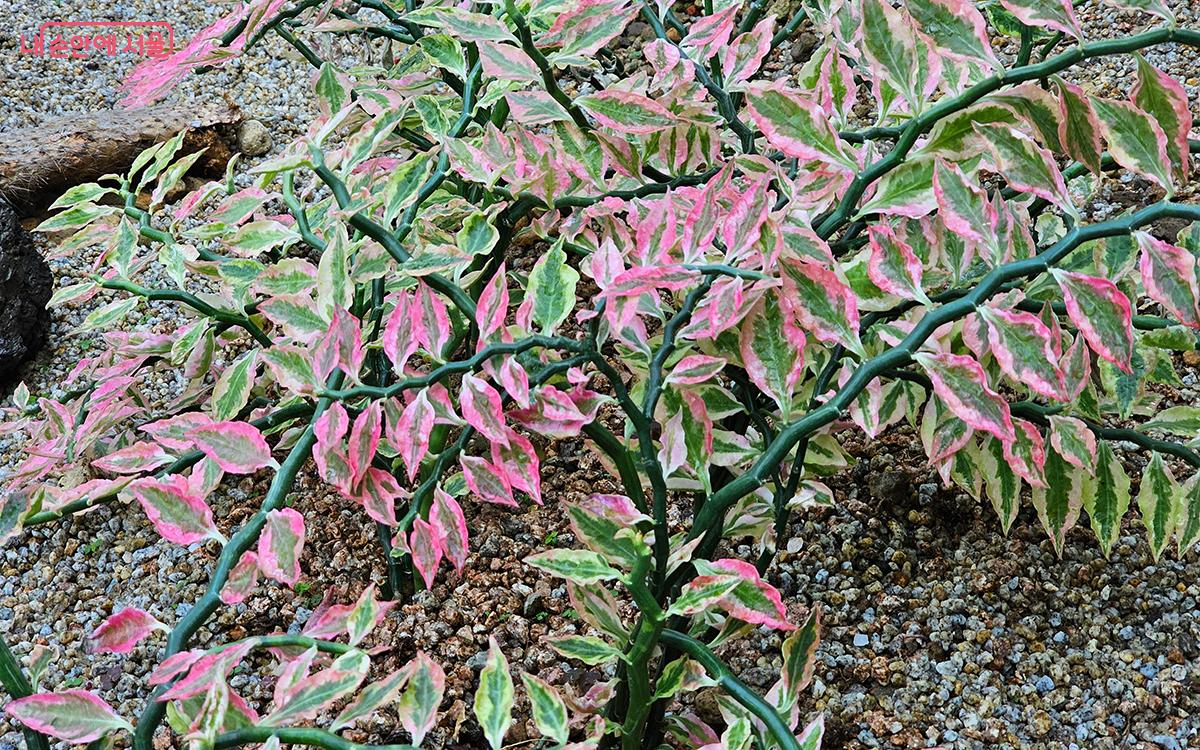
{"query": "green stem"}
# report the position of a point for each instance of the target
(737, 689)
(543, 66)
(192, 301)
(295, 736)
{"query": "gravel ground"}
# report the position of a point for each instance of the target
(937, 629)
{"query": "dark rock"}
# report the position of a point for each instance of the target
(25, 288)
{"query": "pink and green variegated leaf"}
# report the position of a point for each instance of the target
(962, 205)
(1102, 313)
(896, 53)
(772, 349)
(280, 545)
(492, 307)
(133, 459)
(1107, 498)
(483, 409)
(1002, 483)
(709, 34)
(800, 656)
(434, 320)
(419, 704)
(507, 62)
(1026, 453)
(904, 191)
(426, 550)
(237, 447)
(1135, 140)
(519, 461)
(1165, 100)
(551, 291)
(242, 579)
(626, 112)
(367, 612)
(893, 266)
(178, 515)
(752, 599)
(378, 491)
(74, 716)
(1156, 500)
(292, 367)
(822, 302)
(1028, 167)
(956, 27)
(742, 59)
(1072, 440)
(960, 382)
(172, 433)
(201, 669)
(317, 692)
(1051, 14)
(797, 126)
(364, 440)
(403, 333)
(1024, 349)
(122, 631)
(1169, 277)
(598, 608)
(446, 517)
(695, 369)
(488, 481)
(1079, 129)
(1058, 503)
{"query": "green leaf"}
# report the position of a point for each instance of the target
(77, 216)
(587, 649)
(549, 711)
(580, 566)
(1166, 101)
(552, 289)
(494, 698)
(1108, 498)
(1080, 131)
(1156, 500)
(894, 51)
(1059, 502)
(796, 126)
(800, 656)
(88, 192)
(1003, 484)
(477, 235)
(1177, 420)
(1186, 514)
(907, 190)
(108, 315)
(233, 387)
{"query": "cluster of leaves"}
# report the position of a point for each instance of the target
(731, 275)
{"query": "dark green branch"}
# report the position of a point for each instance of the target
(295, 736)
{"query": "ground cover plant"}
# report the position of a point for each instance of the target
(728, 275)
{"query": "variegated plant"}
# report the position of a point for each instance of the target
(731, 274)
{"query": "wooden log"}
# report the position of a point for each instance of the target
(38, 164)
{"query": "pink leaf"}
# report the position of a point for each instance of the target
(403, 333)
(519, 462)
(695, 369)
(426, 550)
(446, 517)
(242, 579)
(377, 492)
(121, 632)
(1169, 276)
(434, 320)
(483, 409)
(280, 545)
(364, 440)
(237, 447)
(133, 459)
(487, 481)
(410, 434)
